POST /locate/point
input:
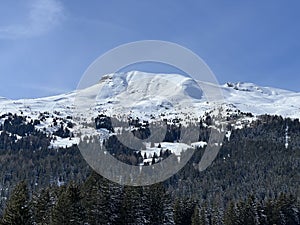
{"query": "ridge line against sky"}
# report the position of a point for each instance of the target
(46, 45)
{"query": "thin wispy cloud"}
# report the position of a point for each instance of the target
(43, 15)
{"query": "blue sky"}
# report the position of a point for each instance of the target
(46, 45)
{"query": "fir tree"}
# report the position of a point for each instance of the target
(102, 200)
(196, 216)
(68, 209)
(160, 205)
(17, 211)
(42, 206)
(230, 217)
(132, 206)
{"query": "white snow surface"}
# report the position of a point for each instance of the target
(147, 93)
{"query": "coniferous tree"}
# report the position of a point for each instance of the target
(68, 209)
(178, 217)
(250, 215)
(216, 215)
(102, 200)
(204, 216)
(230, 217)
(42, 205)
(168, 213)
(183, 211)
(90, 192)
(132, 207)
(287, 209)
(196, 216)
(17, 211)
(115, 203)
(160, 205)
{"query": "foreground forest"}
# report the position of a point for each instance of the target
(98, 201)
(255, 179)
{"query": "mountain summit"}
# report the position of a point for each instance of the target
(147, 92)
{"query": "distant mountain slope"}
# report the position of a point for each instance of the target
(149, 93)
(258, 100)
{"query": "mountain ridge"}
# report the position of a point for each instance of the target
(146, 90)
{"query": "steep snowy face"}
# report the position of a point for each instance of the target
(141, 86)
(139, 93)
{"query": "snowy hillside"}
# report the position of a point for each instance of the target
(152, 96)
(146, 92)
(149, 98)
(262, 100)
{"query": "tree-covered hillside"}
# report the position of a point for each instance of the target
(255, 179)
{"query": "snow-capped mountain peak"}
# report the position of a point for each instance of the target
(140, 85)
(147, 92)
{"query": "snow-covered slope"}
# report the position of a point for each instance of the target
(147, 93)
(150, 97)
(249, 97)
